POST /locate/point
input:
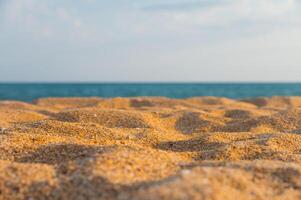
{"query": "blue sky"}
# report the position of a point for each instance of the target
(150, 40)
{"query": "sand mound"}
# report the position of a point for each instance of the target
(16, 179)
(109, 118)
(151, 148)
(63, 103)
(244, 180)
(139, 102)
(278, 102)
(8, 117)
(266, 146)
(127, 165)
(207, 101)
(240, 114)
(284, 121)
(17, 105)
(215, 102)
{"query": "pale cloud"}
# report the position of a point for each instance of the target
(184, 40)
(63, 13)
(77, 23)
(228, 12)
(180, 6)
(88, 1)
(68, 16)
(208, 18)
(41, 18)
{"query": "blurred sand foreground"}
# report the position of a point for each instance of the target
(151, 148)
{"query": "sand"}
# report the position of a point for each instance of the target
(151, 148)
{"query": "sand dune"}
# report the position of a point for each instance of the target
(151, 148)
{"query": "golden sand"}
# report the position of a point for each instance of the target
(151, 148)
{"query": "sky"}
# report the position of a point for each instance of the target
(150, 41)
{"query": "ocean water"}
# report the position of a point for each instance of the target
(29, 92)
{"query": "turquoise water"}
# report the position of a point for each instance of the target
(29, 92)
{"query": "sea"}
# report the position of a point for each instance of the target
(31, 91)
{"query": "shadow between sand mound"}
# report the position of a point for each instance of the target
(80, 186)
(73, 165)
(192, 145)
(47, 113)
(238, 114)
(77, 187)
(61, 153)
(74, 178)
(191, 122)
(138, 103)
(75, 182)
(231, 149)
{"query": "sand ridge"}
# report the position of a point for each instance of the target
(151, 148)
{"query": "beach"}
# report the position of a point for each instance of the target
(151, 148)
